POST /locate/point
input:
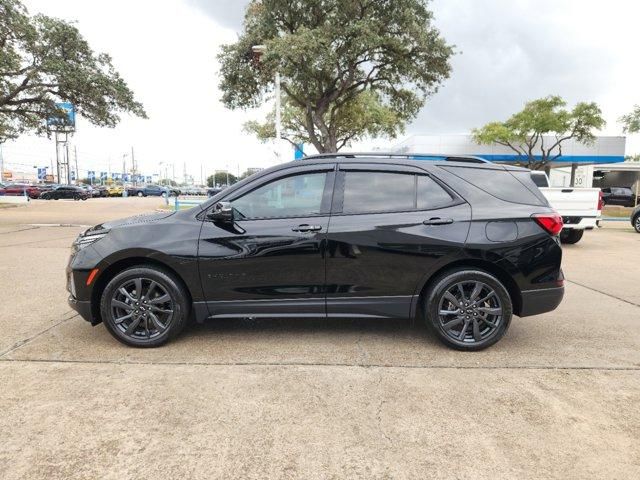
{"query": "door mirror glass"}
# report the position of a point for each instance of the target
(222, 212)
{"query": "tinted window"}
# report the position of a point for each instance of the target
(502, 184)
(430, 194)
(366, 192)
(539, 179)
(295, 196)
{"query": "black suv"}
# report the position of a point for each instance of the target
(460, 243)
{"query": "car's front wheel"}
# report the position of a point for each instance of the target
(468, 309)
(636, 223)
(144, 306)
(140, 194)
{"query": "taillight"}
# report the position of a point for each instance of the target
(600, 201)
(551, 222)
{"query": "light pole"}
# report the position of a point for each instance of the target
(1, 164)
(258, 51)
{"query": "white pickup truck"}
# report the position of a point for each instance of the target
(580, 208)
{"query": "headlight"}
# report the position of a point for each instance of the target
(88, 238)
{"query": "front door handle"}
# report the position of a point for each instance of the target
(307, 228)
(438, 221)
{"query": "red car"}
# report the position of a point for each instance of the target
(17, 189)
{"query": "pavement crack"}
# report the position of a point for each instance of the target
(21, 343)
(603, 293)
(315, 364)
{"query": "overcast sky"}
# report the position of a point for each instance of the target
(509, 51)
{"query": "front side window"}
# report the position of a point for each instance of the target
(294, 196)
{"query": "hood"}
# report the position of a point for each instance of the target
(123, 222)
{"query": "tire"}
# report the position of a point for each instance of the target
(164, 195)
(569, 237)
(140, 194)
(139, 324)
(481, 324)
(636, 223)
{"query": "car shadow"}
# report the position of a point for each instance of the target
(329, 326)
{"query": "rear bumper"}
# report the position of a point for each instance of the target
(535, 302)
(580, 223)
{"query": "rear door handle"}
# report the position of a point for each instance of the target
(307, 228)
(438, 221)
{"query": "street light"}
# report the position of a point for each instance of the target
(258, 51)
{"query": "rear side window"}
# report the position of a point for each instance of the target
(511, 186)
(373, 192)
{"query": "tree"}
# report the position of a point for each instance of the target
(631, 121)
(44, 61)
(220, 178)
(525, 131)
(349, 68)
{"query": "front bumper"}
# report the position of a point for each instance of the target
(83, 308)
(535, 302)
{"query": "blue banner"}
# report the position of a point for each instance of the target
(73, 175)
(42, 173)
(103, 175)
(91, 175)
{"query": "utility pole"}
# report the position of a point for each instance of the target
(134, 168)
(184, 171)
(1, 163)
(75, 154)
(67, 160)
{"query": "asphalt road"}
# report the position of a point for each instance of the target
(556, 398)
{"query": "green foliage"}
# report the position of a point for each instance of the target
(220, 178)
(349, 68)
(168, 182)
(45, 60)
(524, 131)
(631, 121)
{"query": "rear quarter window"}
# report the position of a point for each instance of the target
(510, 186)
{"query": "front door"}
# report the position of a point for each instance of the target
(271, 260)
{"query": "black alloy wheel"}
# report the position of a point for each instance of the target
(636, 223)
(469, 309)
(144, 307)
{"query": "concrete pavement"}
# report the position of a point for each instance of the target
(556, 398)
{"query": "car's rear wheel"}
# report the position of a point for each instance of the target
(636, 223)
(140, 194)
(144, 307)
(571, 236)
(468, 309)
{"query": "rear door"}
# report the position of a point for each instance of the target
(391, 226)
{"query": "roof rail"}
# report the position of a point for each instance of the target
(409, 156)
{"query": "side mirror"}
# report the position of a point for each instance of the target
(222, 212)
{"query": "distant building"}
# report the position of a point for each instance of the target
(582, 158)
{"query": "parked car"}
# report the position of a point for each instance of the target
(150, 191)
(622, 196)
(66, 192)
(463, 245)
(100, 191)
(635, 218)
(16, 189)
(2, 189)
(115, 190)
(580, 208)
